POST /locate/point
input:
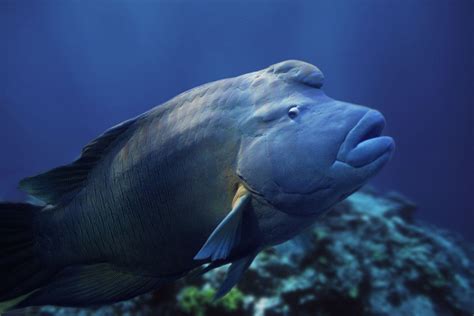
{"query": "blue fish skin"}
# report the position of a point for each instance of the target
(167, 186)
(143, 199)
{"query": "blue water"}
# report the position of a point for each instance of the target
(71, 69)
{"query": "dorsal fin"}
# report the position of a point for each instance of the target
(63, 182)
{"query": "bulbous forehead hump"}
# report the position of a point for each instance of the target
(298, 71)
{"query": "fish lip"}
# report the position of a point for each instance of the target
(364, 144)
(370, 151)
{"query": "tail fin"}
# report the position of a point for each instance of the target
(21, 268)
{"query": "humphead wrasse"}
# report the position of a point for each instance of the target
(209, 178)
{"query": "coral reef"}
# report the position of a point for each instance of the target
(366, 257)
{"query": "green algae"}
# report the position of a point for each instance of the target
(199, 301)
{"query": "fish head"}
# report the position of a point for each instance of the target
(302, 151)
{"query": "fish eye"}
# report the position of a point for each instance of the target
(293, 112)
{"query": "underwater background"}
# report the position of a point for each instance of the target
(71, 69)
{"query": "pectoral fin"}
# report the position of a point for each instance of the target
(227, 234)
(234, 274)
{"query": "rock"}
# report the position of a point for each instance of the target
(366, 257)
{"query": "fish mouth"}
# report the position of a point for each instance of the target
(364, 144)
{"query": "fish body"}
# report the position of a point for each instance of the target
(159, 193)
(212, 177)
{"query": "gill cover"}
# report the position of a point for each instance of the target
(266, 161)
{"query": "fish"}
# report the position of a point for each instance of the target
(209, 178)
